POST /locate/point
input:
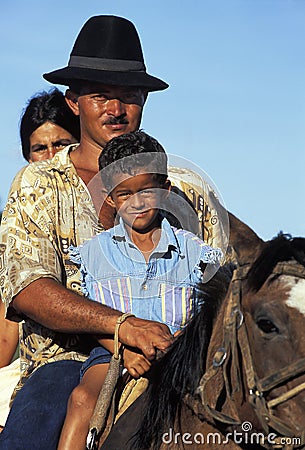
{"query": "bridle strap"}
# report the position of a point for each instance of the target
(212, 412)
(222, 356)
(284, 397)
(271, 381)
(284, 268)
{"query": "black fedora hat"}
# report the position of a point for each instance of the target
(107, 50)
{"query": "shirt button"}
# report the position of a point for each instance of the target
(145, 287)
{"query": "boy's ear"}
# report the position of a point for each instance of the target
(72, 101)
(110, 201)
(167, 187)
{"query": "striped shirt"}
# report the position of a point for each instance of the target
(114, 272)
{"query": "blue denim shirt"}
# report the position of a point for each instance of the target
(114, 272)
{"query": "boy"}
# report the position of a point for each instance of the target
(142, 265)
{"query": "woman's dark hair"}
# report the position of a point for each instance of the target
(46, 107)
(132, 151)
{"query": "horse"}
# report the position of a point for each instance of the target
(235, 377)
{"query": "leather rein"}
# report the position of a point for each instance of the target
(236, 342)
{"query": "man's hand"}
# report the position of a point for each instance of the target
(146, 335)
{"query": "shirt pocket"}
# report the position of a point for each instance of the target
(113, 292)
(176, 304)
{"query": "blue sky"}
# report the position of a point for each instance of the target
(236, 102)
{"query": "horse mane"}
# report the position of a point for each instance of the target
(179, 371)
(282, 248)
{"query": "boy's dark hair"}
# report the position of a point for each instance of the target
(129, 152)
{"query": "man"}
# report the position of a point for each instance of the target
(49, 208)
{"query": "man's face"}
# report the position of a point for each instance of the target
(108, 111)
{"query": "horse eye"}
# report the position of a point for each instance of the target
(267, 326)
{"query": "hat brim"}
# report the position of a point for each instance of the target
(68, 75)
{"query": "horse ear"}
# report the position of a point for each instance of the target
(245, 242)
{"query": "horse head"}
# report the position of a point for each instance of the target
(256, 357)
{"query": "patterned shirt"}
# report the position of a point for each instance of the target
(115, 273)
(49, 208)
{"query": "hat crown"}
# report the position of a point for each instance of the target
(107, 50)
(108, 37)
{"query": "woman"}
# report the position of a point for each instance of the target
(47, 125)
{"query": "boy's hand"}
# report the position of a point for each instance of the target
(135, 363)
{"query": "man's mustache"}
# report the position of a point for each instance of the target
(116, 121)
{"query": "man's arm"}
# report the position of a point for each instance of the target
(52, 305)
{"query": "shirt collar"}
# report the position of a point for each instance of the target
(168, 238)
(61, 161)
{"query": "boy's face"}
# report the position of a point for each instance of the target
(137, 199)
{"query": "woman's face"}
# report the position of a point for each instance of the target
(47, 140)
